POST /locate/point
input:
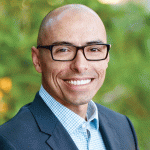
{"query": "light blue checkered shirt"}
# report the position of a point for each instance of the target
(85, 134)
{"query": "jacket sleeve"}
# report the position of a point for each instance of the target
(134, 134)
(5, 144)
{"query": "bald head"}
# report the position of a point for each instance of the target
(67, 14)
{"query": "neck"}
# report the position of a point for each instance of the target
(80, 110)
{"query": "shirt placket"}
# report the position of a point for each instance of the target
(87, 134)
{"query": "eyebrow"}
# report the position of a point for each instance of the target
(68, 43)
(95, 42)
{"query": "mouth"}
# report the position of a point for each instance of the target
(79, 81)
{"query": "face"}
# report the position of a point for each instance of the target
(59, 77)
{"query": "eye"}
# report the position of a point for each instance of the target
(62, 50)
(94, 49)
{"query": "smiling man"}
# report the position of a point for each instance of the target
(72, 55)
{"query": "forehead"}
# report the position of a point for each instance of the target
(77, 28)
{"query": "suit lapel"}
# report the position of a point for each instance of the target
(108, 132)
(49, 124)
(61, 140)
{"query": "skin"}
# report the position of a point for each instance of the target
(78, 25)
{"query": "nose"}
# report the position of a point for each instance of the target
(79, 64)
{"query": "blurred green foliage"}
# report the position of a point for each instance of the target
(127, 83)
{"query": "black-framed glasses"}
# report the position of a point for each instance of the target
(68, 52)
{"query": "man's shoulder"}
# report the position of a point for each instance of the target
(17, 123)
(114, 119)
(18, 130)
(118, 124)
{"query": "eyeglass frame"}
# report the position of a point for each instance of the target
(50, 47)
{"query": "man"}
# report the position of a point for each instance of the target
(72, 56)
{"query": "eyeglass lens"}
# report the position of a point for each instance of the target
(91, 52)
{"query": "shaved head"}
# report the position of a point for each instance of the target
(67, 13)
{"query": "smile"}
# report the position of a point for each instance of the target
(79, 82)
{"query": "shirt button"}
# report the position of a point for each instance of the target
(84, 125)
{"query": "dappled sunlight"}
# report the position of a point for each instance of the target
(3, 107)
(5, 84)
(110, 1)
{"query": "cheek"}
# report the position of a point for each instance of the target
(55, 70)
(47, 72)
(101, 75)
(102, 72)
(101, 68)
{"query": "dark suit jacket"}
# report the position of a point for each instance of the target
(35, 127)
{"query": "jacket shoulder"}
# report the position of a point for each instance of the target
(120, 124)
(115, 119)
(21, 126)
(13, 125)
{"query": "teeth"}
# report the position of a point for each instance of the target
(79, 82)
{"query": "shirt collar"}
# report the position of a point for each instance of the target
(65, 115)
(92, 114)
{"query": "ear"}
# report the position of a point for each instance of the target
(36, 59)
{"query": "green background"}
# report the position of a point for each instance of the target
(127, 84)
